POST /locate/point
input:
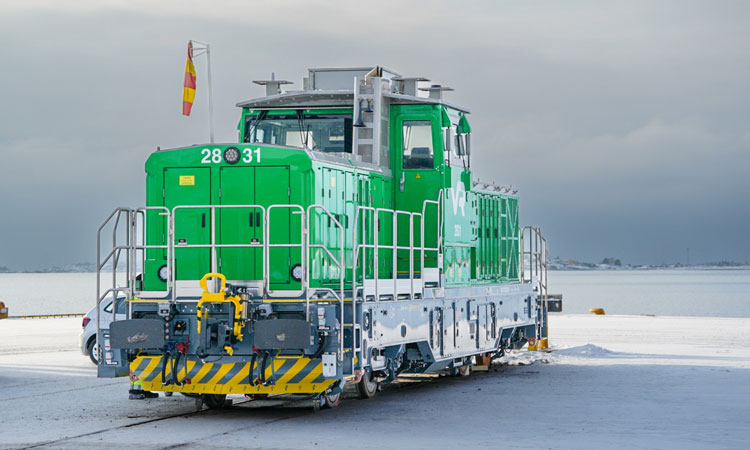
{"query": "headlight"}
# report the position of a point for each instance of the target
(163, 273)
(297, 272)
(232, 155)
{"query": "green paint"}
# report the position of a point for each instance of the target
(480, 228)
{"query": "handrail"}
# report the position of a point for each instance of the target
(213, 245)
(99, 265)
(394, 246)
(361, 215)
(130, 246)
(439, 239)
(537, 267)
(269, 245)
(340, 263)
(136, 222)
(141, 212)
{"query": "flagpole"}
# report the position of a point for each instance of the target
(210, 95)
(207, 50)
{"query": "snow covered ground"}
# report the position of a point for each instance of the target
(612, 382)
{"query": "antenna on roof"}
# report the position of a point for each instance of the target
(273, 86)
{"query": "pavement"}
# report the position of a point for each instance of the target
(611, 382)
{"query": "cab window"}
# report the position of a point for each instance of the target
(418, 152)
(330, 133)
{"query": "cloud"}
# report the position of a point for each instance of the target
(624, 124)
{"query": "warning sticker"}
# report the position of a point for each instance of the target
(187, 180)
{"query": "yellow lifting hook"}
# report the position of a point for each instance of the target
(220, 297)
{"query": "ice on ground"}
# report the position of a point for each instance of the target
(615, 382)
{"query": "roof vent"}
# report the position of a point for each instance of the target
(408, 85)
(436, 91)
(273, 86)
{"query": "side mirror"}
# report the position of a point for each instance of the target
(460, 149)
(447, 139)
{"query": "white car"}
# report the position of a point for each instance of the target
(87, 338)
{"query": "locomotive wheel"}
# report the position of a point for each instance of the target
(367, 386)
(214, 401)
(332, 400)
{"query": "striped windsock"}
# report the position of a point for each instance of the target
(188, 92)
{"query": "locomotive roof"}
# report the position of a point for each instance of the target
(329, 87)
(318, 99)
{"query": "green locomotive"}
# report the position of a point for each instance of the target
(342, 239)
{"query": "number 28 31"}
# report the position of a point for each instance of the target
(215, 155)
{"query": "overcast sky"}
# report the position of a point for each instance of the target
(626, 125)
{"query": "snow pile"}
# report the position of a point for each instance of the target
(588, 350)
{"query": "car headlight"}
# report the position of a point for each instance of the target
(296, 272)
(232, 155)
(163, 273)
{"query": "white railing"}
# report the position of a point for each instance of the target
(135, 238)
(534, 267)
(376, 286)
(133, 228)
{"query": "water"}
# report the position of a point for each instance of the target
(48, 293)
(679, 292)
(716, 293)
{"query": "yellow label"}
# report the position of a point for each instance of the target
(187, 180)
(418, 176)
(333, 181)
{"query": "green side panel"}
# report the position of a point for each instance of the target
(510, 257)
(190, 186)
(496, 238)
(482, 253)
(156, 233)
(272, 186)
(239, 225)
(513, 240)
(349, 208)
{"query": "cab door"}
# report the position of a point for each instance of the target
(190, 186)
(238, 225)
(272, 188)
(417, 163)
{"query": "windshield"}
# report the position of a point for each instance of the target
(331, 133)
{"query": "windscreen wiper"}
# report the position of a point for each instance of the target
(249, 129)
(301, 123)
